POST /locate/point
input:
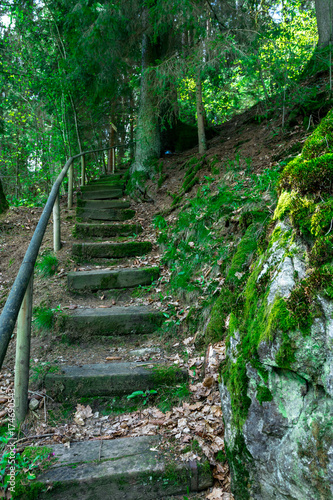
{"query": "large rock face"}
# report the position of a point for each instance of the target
(277, 382)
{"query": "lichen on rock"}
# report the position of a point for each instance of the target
(277, 380)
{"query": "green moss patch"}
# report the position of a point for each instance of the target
(309, 176)
(263, 394)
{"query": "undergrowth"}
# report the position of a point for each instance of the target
(199, 242)
(23, 466)
(47, 264)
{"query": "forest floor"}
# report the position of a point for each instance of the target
(265, 143)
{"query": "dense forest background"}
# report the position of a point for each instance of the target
(81, 75)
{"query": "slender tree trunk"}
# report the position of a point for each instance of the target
(200, 116)
(110, 153)
(132, 127)
(3, 201)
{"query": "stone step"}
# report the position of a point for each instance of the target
(101, 204)
(106, 230)
(120, 171)
(102, 187)
(82, 323)
(105, 194)
(110, 250)
(125, 468)
(107, 280)
(107, 180)
(107, 214)
(108, 379)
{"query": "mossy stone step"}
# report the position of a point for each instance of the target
(106, 279)
(124, 468)
(105, 194)
(102, 186)
(108, 379)
(85, 230)
(101, 204)
(104, 214)
(116, 320)
(105, 182)
(111, 250)
(120, 171)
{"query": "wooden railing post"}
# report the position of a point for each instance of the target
(21, 382)
(113, 160)
(70, 186)
(56, 225)
(83, 171)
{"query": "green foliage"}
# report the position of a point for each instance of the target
(39, 370)
(244, 252)
(25, 466)
(160, 222)
(44, 317)
(194, 446)
(144, 396)
(195, 243)
(321, 140)
(190, 179)
(47, 264)
(275, 60)
(169, 397)
(167, 375)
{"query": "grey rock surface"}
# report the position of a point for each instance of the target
(288, 440)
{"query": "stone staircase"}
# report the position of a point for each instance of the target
(126, 468)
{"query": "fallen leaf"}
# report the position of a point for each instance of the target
(208, 382)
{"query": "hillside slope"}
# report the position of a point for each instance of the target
(229, 259)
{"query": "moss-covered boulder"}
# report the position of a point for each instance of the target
(277, 380)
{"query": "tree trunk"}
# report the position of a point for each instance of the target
(111, 153)
(131, 127)
(148, 142)
(3, 201)
(200, 116)
(324, 12)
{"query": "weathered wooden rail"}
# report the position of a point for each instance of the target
(18, 306)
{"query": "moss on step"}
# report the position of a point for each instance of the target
(107, 214)
(87, 230)
(111, 250)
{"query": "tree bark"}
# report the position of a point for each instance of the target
(200, 116)
(110, 153)
(324, 15)
(148, 142)
(3, 201)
